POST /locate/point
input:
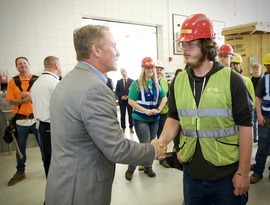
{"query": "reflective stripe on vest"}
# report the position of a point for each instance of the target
(211, 123)
(147, 99)
(212, 112)
(266, 96)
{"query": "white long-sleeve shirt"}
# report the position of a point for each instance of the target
(41, 95)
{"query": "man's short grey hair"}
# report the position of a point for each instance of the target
(85, 37)
(256, 65)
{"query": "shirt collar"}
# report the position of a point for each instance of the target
(48, 72)
(100, 75)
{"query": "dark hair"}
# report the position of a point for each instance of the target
(209, 48)
(232, 65)
(21, 57)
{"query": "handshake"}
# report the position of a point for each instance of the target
(161, 148)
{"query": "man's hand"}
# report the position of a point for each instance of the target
(261, 120)
(161, 150)
(124, 97)
(241, 184)
(26, 96)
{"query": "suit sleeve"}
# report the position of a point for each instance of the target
(100, 119)
(117, 89)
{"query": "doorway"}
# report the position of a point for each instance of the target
(133, 41)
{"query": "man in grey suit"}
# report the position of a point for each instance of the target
(86, 137)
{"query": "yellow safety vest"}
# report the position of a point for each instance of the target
(250, 88)
(211, 123)
(165, 85)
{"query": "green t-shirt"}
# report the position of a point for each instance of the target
(134, 93)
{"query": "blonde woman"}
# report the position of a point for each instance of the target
(147, 97)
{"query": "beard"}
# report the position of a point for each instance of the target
(197, 64)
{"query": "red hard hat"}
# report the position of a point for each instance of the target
(195, 27)
(147, 62)
(226, 49)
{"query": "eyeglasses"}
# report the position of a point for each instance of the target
(188, 45)
(266, 65)
(224, 55)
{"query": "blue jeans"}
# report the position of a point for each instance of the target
(255, 126)
(203, 192)
(146, 131)
(23, 132)
(162, 120)
(161, 123)
(262, 151)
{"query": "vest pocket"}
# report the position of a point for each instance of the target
(221, 151)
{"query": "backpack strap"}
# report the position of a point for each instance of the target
(31, 82)
(18, 83)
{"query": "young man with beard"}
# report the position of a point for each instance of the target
(212, 105)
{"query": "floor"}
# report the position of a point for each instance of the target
(165, 188)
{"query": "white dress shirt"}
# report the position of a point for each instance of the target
(41, 95)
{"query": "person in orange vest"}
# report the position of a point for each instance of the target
(19, 95)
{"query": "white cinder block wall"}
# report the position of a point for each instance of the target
(38, 28)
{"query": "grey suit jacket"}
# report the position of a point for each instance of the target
(87, 141)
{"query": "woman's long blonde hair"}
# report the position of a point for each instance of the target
(142, 81)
